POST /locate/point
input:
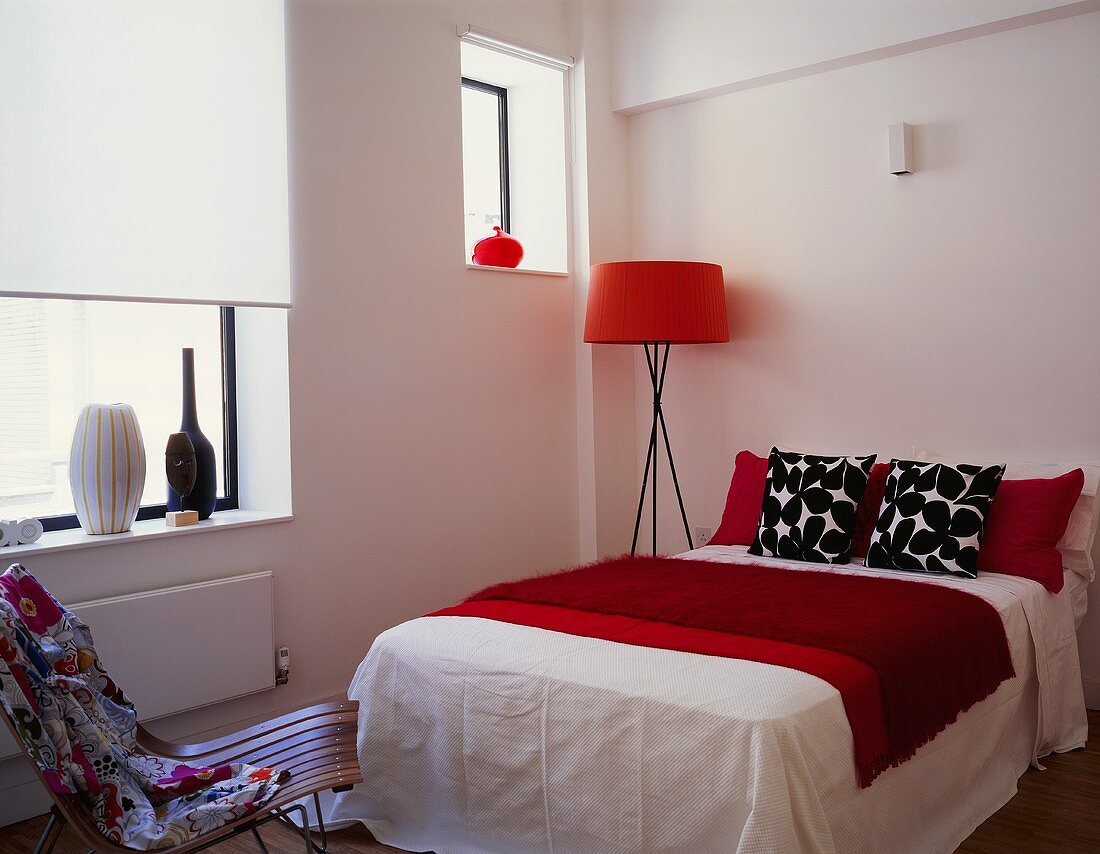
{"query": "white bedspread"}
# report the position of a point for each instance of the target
(477, 735)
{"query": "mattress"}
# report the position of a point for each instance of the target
(477, 735)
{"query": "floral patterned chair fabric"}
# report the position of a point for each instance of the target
(80, 728)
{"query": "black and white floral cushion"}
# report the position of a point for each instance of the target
(809, 510)
(933, 516)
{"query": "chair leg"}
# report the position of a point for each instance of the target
(320, 823)
(305, 828)
(41, 847)
(259, 841)
(303, 831)
(50, 835)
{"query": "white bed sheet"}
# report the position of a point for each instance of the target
(477, 735)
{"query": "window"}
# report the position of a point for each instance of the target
(58, 355)
(134, 208)
(484, 158)
(514, 154)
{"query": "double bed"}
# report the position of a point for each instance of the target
(479, 735)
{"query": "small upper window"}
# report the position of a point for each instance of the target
(484, 157)
(514, 154)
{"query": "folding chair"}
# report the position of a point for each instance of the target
(315, 745)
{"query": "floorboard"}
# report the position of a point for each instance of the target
(1055, 812)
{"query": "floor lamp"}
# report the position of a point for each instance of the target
(653, 303)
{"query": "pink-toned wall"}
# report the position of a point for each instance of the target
(433, 408)
(601, 223)
(674, 50)
(954, 310)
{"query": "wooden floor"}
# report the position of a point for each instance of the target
(1056, 811)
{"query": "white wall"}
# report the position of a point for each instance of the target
(667, 51)
(955, 309)
(605, 374)
(433, 409)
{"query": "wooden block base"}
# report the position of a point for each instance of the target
(181, 518)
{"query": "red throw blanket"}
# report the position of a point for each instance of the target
(907, 657)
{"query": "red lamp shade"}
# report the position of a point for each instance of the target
(631, 302)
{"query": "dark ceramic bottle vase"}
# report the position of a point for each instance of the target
(205, 494)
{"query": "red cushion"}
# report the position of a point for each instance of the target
(868, 509)
(1026, 521)
(743, 501)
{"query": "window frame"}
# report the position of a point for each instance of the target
(231, 481)
(501, 94)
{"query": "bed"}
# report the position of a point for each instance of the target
(479, 735)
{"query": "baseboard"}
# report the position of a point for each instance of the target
(1092, 693)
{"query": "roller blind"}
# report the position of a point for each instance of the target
(143, 151)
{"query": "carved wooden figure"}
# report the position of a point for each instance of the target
(180, 464)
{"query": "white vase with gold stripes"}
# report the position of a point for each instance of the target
(107, 468)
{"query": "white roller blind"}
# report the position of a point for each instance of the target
(143, 150)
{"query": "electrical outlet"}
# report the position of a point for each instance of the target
(702, 536)
(282, 665)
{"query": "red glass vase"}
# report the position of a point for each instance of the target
(498, 250)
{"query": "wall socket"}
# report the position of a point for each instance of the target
(702, 536)
(282, 665)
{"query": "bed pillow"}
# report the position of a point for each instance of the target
(1026, 521)
(868, 509)
(743, 501)
(933, 516)
(1077, 543)
(809, 508)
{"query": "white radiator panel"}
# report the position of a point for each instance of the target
(180, 648)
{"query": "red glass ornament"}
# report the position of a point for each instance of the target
(498, 250)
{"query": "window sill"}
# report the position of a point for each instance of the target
(148, 529)
(556, 273)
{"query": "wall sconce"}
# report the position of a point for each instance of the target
(901, 148)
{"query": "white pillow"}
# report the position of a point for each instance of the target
(1076, 545)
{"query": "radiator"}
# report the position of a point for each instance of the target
(181, 648)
